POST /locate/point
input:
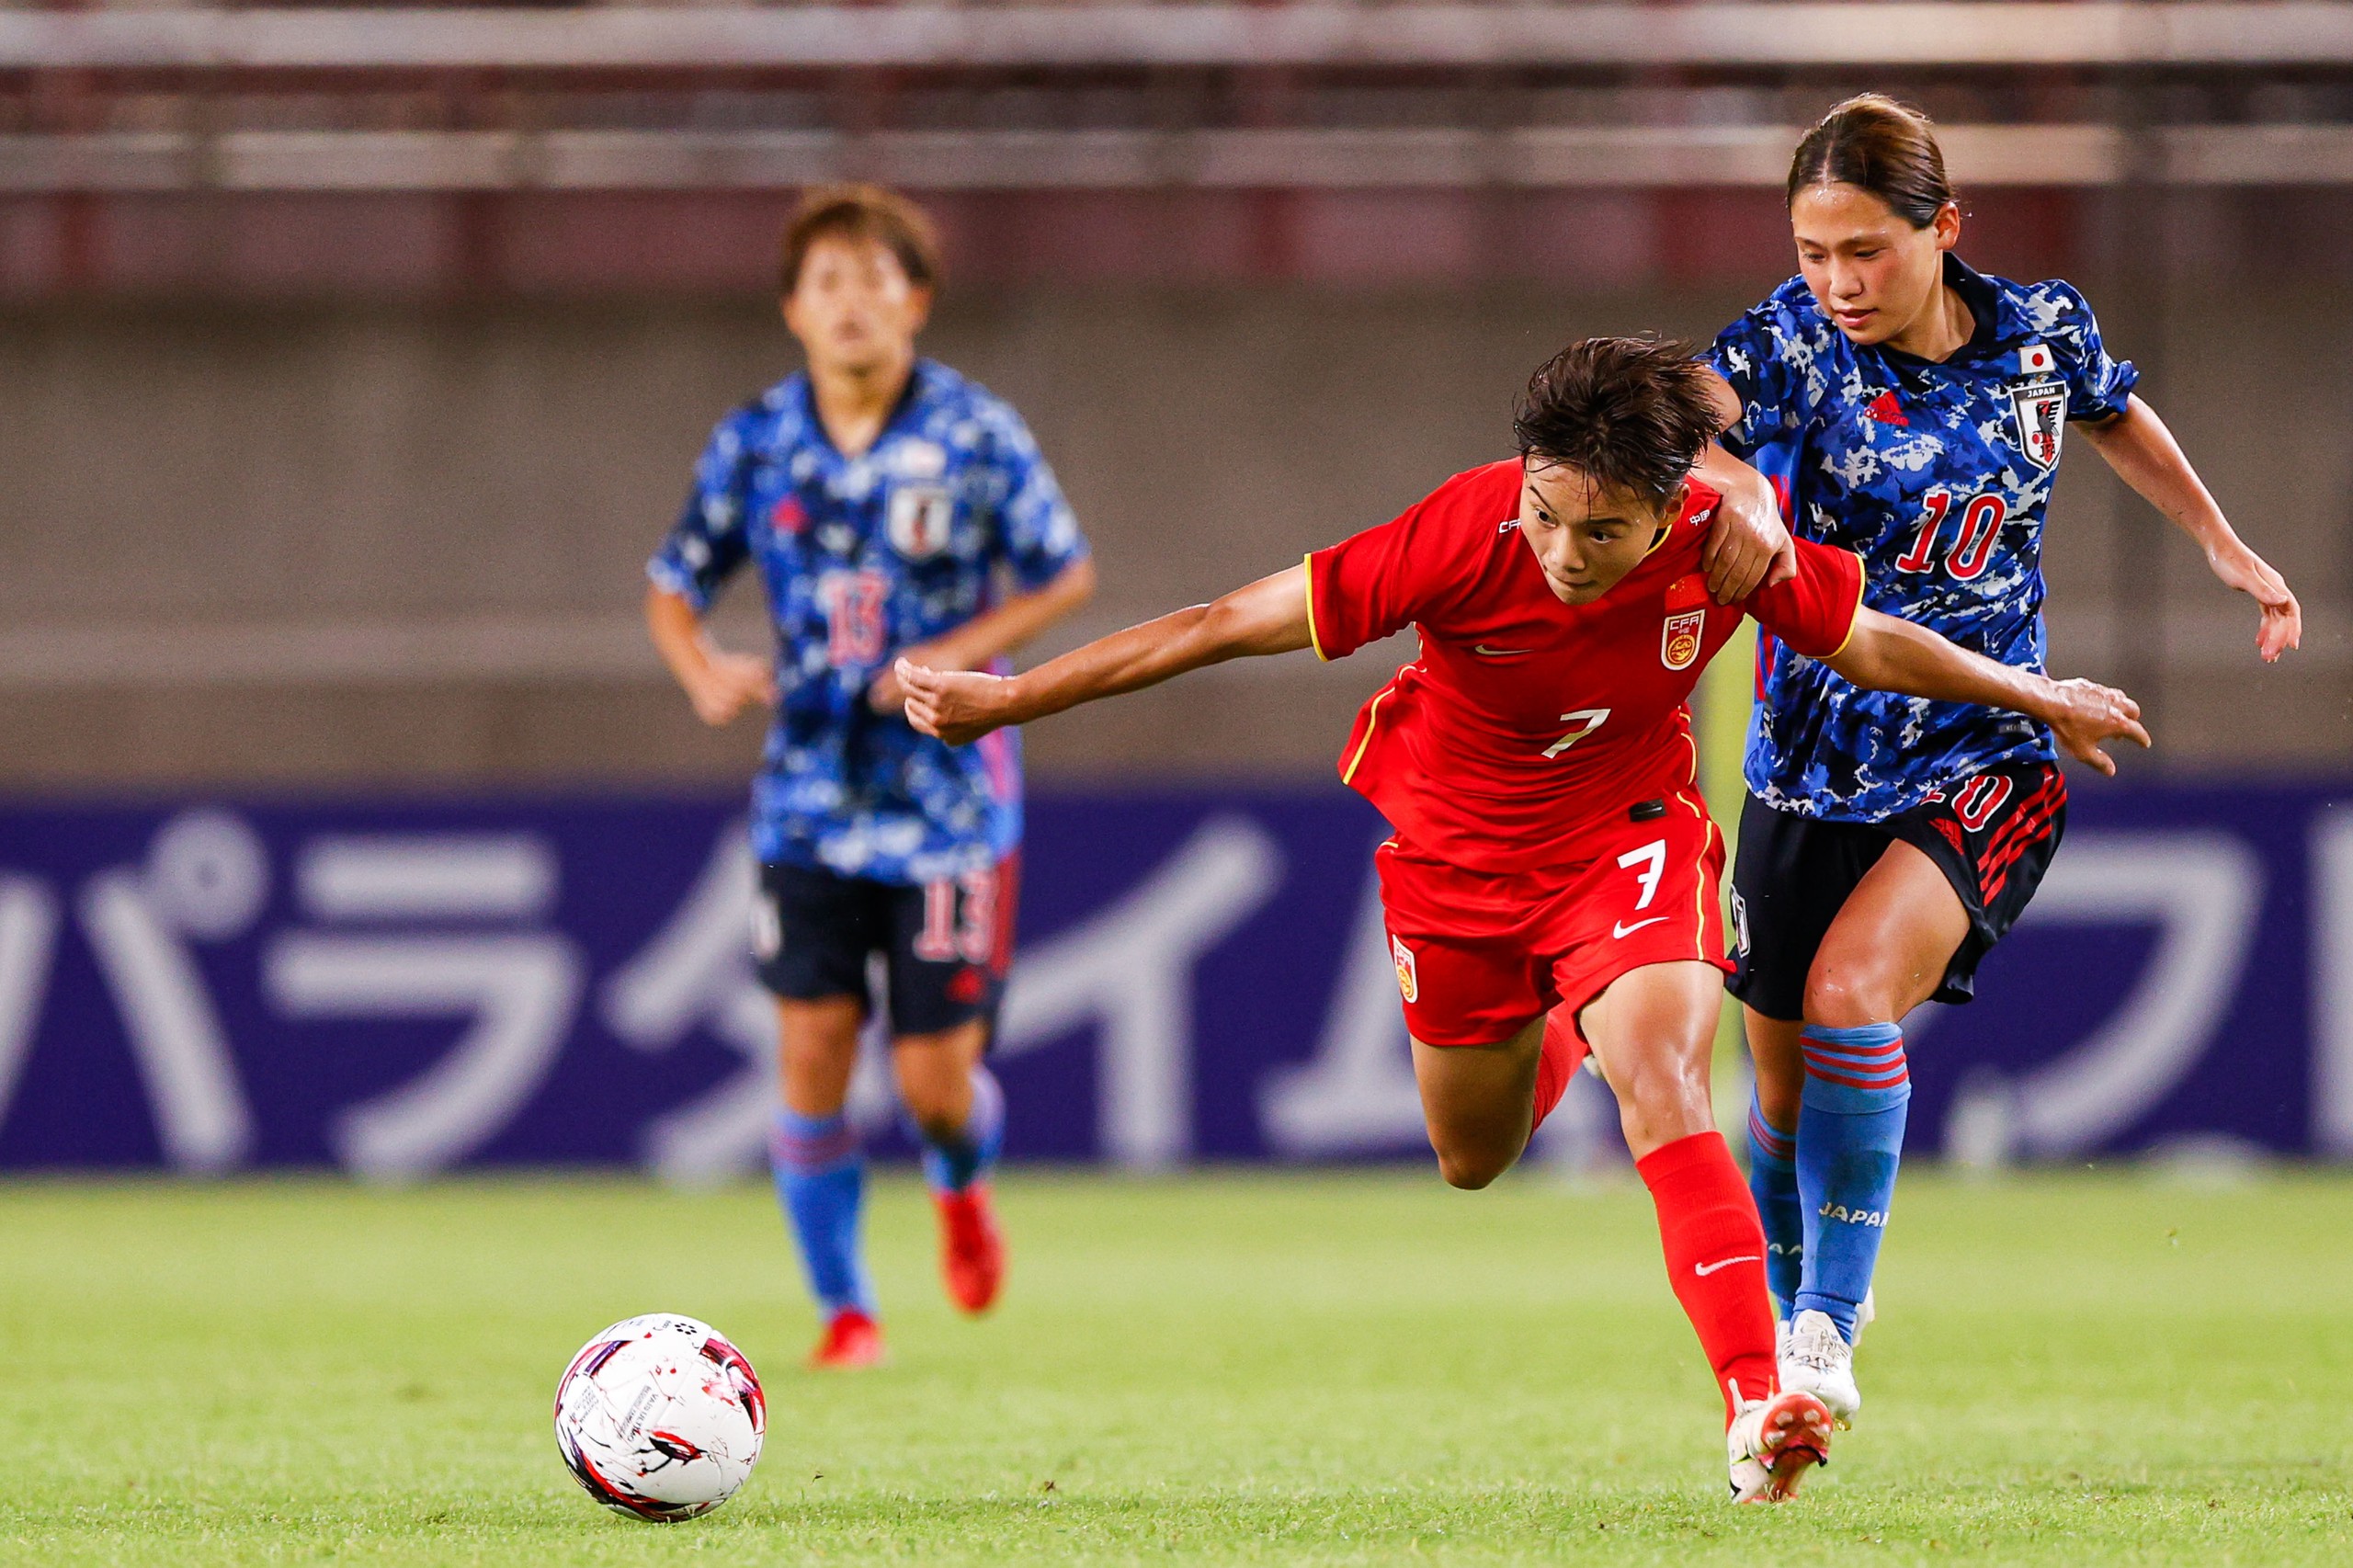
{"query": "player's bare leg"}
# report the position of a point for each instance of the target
(1840, 1082)
(942, 1084)
(1479, 1103)
(1654, 1030)
(820, 1174)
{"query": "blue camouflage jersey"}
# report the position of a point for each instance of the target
(1939, 476)
(863, 557)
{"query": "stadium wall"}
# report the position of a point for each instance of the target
(398, 988)
(358, 544)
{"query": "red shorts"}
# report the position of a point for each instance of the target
(1480, 956)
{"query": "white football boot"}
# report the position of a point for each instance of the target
(1773, 1442)
(1817, 1361)
(1864, 1316)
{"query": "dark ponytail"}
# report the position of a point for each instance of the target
(1880, 145)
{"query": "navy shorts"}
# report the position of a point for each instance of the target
(1992, 836)
(945, 946)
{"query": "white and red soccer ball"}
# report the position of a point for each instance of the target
(660, 1417)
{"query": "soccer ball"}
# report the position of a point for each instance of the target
(660, 1417)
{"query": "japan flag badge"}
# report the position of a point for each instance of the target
(2041, 410)
(920, 518)
(1409, 984)
(2036, 359)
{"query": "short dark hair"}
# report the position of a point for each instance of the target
(862, 213)
(1887, 148)
(1632, 413)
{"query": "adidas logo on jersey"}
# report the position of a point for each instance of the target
(1840, 1212)
(1886, 410)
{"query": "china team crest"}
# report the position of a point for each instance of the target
(2039, 403)
(1679, 639)
(1409, 985)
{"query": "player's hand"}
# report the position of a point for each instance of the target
(887, 696)
(2283, 618)
(1748, 546)
(729, 683)
(2084, 713)
(958, 706)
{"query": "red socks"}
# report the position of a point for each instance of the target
(1708, 1225)
(1565, 1053)
(1715, 1258)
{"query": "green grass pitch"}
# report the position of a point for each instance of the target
(1334, 1369)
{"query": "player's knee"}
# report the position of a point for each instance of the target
(1469, 1175)
(1841, 995)
(1469, 1164)
(937, 1106)
(1778, 1096)
(1670, 1101)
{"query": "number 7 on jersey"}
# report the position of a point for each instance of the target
(1592, 720)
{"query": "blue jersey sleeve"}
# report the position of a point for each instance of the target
(1770, 364)
(2099, 387)
(1036, 533)
(712, 537)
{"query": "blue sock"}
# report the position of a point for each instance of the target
(1773, 1182)
(821, 1181)
(1850, 1140)
(954, 1163)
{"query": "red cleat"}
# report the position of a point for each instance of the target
(852, 1340)
(1773, 1442)
(972, 1248)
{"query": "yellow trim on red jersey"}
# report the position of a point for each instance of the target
(1684, 514)
(1861, 582)
(1371, 717)
(1307, 575)
(1699, 893)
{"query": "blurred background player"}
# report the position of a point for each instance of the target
(885, 501)
(1914, 410)
(1543, 859)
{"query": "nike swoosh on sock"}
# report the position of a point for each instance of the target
(1704, 1270)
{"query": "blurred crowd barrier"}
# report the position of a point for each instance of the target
(401, 989)
(351, 358)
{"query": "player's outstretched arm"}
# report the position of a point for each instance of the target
(979, 640)
(719, 684)
(2145, 456)
(1888, 654)
(960, 705)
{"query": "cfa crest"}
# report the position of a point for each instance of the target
(1678, 641)
(918, 521)
(1409, 985)
(2040, 407)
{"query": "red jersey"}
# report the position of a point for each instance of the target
(1526, 723)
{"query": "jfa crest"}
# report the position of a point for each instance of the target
(919, 518)
(1679, 642)
(2039, 403)
(1409, 985)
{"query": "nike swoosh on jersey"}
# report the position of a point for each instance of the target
(1499, 652)
(1704, 1270)
(1630, 930)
